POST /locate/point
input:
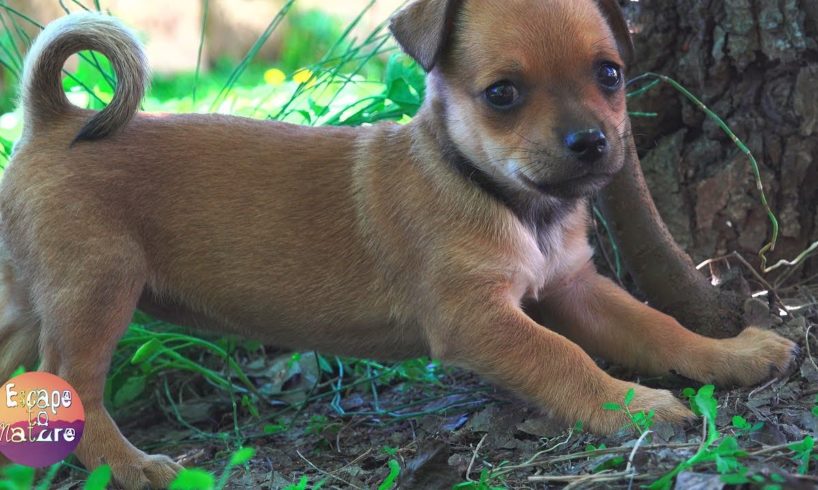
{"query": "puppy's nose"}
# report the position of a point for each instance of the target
(588, 146)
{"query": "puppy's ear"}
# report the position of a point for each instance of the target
(422, 29)
(616, 19)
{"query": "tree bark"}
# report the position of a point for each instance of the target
(755, 63)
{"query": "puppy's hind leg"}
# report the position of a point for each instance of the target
(19, 329)
(88, 306)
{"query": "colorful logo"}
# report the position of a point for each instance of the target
(41, 419)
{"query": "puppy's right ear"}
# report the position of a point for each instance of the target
(422, 29)
(619, 25)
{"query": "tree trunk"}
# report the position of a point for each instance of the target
(658, 265)
(754, 63)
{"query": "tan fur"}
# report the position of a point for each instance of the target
(354, 241)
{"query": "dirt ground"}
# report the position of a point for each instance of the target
(449, 432)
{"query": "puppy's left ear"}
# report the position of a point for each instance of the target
(422, 29)
(616, 19)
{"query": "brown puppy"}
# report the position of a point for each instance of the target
(387, 241)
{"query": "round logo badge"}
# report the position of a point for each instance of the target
(41, 419)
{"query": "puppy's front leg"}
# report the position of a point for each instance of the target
(608, 322)
(494, 337)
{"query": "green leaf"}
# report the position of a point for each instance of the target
(613, 463)
(707, 406)
(274, 428)
(193, 479)
(807, 444)
(735, 479)
(706, 402)
(730, 447)
(145, 351)
(612, 407)
(400, 93)
(129, 391)
(803, 451)
(99, 478)
(19, 476)
(317, 109)
(242, 456)
(629, 397)
(324, 364)
(729, 466)
(301, 485)
(392, 477)
(250, 405)
(740, 422)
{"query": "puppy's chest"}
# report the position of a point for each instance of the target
(548, 255)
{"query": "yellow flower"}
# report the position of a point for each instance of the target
(274, 76)
(302, 76)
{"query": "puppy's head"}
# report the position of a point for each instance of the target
(531, 91)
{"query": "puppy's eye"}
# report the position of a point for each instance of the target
(502, 95)
(609, 76)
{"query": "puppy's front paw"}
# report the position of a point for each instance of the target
(754, 356)
(146, 472)
(665, 406)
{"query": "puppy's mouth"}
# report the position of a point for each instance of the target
(581, 186)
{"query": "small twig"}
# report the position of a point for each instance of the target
(474, 456)
(614, 450)
(324, 472)
(809, 350)
(575, 480)
(796, 261)
(354, 461)
(806, 477)
(769, 449)
(629, 467)
(532, 460)
(763, 387)
(582, 483)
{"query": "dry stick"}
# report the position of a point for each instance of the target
(605, 479)
(602, 452)
(474, 457)
(796, 261)
(531, 461)
(763, 387)
(609, 476)
(323, 472)
(629, 467)
(809, 351)
(354, 461)
(576, 480)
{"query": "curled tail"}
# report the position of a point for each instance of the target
(42, 94)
